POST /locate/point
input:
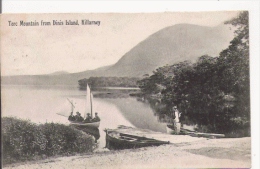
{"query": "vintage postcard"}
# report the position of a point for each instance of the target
(126, 90)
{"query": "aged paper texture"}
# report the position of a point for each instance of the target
(142, 72)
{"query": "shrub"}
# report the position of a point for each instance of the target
(23, 140)
(65, 140)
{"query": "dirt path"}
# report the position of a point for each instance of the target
(213, 153)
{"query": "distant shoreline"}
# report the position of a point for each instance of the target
(111, 88)
(118, 88)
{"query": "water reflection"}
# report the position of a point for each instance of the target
(113, 93)
(162, 111)
(137, 113)
(115, 107)
(90, 130)
(190, 122)
(164, 115)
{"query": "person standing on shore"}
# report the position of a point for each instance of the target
(176, 121)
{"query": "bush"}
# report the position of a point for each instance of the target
(23, 140)
(62, 139)
(18, 139)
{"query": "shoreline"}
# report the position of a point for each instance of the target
(210, 153)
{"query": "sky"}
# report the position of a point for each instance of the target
(31, 50)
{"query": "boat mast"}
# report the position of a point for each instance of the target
(86, 102)
(91, 104)
(89, 98)
(72, 105)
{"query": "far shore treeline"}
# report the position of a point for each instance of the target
(215, 91)
(95, 82)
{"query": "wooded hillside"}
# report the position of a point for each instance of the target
(213, 91)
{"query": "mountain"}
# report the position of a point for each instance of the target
(168, 46)
(172, 45)
(59, 73)
(55, 78)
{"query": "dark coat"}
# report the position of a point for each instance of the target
(79, 118)
(88, 119)
(72, 118)
(96, 118)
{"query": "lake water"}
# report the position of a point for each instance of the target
(42, 104)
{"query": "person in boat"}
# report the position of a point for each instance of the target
(88, 118)
(71, 117)
(96, 118)
(78, 117)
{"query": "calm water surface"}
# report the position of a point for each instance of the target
(41, 104)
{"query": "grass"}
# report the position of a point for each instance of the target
(23, 140)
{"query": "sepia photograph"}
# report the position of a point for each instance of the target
(126, 90)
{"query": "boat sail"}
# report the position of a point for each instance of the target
(62, 110)
(88, 103)
(88, 109)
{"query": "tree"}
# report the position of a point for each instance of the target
(234, 67)
(214, 92)
(157, 82)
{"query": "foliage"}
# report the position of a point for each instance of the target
(23, 140)
(214, 92)
(108, 82)
(157, 82)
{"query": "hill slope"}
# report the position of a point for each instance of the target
(172, 45)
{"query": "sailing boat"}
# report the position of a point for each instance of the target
(89, 108)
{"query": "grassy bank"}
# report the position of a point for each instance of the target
(23, 140)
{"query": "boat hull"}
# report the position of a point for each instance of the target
(115, 140)
(92, 124)
(169, 129)
(174, 128)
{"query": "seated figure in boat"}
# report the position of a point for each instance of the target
(79, 118)
(96, 118)
(88, 118)
(71, 117)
